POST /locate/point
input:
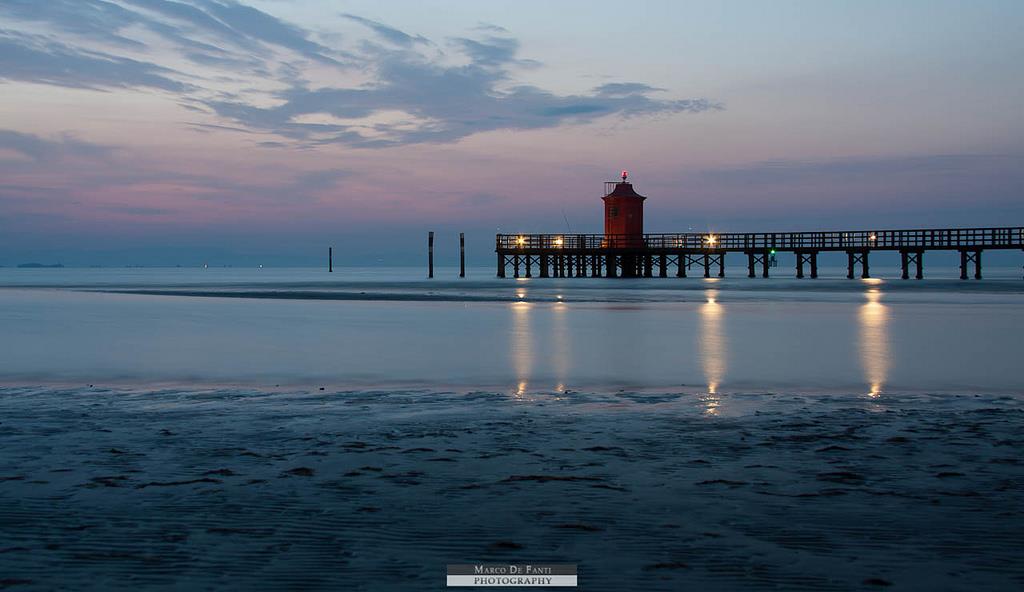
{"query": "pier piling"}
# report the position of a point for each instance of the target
(462, 254)
(968, 256)
(330, 259)
(430, 254)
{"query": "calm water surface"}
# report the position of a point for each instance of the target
(380, 327)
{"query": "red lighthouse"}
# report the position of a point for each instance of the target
(624, 215)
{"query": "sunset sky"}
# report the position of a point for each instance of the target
(189, 131)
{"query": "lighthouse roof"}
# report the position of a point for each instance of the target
(624, 190)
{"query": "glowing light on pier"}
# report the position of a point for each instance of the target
(521, 241)
(711, 240)
(559, 242)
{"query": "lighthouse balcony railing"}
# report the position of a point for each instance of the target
(938, 238)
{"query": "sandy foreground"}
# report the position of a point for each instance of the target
(238, 488)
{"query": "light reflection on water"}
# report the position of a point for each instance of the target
(522, 347)
(873, 317)
(523, 337)
(712, 345)
(542, 341)
(560, 344)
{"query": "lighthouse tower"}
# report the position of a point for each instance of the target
(623, 215)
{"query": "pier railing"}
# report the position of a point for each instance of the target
(937, 238)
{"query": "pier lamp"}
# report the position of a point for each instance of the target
(873, 237)
(521, 241)
(559, 242)
(711, 239)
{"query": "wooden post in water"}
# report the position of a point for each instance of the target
(462, 254)
(430, 254)
(330, 259)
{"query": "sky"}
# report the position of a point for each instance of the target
(164, 132)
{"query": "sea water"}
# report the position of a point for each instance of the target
(361, 327)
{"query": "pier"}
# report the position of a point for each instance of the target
(662, 255)
(625, 251)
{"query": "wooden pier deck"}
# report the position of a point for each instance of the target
(653, 255)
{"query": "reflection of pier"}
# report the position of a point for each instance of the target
(658, 255)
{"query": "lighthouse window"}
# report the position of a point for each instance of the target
(613, 211)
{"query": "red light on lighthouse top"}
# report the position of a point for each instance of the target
(624, 175)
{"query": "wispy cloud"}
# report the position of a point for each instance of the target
(33, 58)
(41, 149)
(409, 91)
(417, 99)
(391, 34)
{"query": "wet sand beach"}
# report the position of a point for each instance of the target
(228, 488)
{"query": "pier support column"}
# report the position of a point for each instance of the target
(681, 265)
(966, 257)
(764, 264)
(663, 265)
(707, 265)
(721, 264)
(529, 266)
(609, 264)
(544, 266)
(568, 265)
(462, 254)
(648, 266)
(855, 257)
(750, 264)
(430, 254)
(907, 258)
(809, 257)
(501, 265)
(628, 264)
(515, 265)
